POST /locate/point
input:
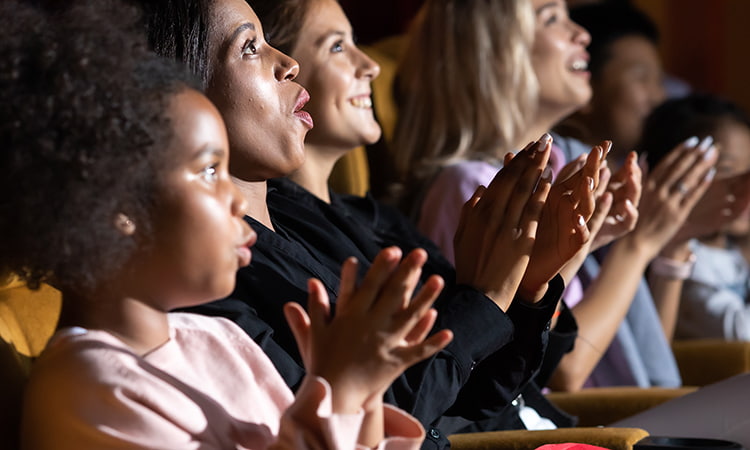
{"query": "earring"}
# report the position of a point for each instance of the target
(125, 224)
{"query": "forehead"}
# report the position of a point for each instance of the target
(228, 17)
(195, 123)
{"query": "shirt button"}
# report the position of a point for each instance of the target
(434, 433)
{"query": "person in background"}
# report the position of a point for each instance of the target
(715, 294)
(445, 145)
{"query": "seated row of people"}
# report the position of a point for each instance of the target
(122, 371)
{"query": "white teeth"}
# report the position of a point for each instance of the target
(580, 65)
(361, 102)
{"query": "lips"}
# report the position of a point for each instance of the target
(303, 116)
(243, 251)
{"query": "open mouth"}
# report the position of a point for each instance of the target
(580, 65)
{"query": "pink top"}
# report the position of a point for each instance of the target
(209, 387)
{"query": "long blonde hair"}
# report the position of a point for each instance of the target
(466, 88)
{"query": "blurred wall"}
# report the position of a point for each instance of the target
(706, 43)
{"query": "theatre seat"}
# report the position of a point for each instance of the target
(27, 320)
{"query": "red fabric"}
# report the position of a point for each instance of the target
(569, 446)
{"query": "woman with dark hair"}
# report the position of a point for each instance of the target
(82, 100)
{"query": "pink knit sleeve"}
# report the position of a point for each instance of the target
(441, 207)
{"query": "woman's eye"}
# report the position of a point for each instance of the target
(210, 174)
(551, 19)
(249, 48)
(338, 47)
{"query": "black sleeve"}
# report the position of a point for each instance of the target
(561, 340)
(497, 381)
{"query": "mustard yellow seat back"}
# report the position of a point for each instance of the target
(27, 320)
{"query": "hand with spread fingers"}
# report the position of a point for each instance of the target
(722, 203)
(563, 229)
(498, 225)
(378, 329)
(671, 191)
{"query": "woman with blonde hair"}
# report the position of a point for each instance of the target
(440, 172)
(456, 104)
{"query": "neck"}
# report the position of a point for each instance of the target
(544, 120)
(254, 193)
(314, 173)
(135, 323)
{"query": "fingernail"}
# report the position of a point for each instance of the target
(581, 222)
(547, 174)
(706, 143)
(691, 142)
(731, 198)
(711, 173)
(545, 139)
(628, 202)
(590, 183)
(601, 152)
(710, 153)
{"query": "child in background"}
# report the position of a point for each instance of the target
(714, 298)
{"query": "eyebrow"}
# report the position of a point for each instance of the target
(328, 35)
(540, 9)
(240, 29)
(208, 151)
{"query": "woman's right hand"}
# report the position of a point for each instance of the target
(497, 228)
(670, 192)
(377, 332)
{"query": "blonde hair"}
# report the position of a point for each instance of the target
(466, 87)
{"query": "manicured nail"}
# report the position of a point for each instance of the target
(547, 174)
(691, 142)
(710, 153)
(590, 182)
(711, 173)
(545, 139)
(706, 143)
(581, 222)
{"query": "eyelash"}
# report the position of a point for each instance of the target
(249, 45)
(337, 47)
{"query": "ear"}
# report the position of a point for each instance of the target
(124, 224)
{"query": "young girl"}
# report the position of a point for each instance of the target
(714, 297)
(116, 171)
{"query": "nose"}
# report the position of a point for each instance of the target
(285, 67)
(366, 66)
(239, 205)
(580, 35)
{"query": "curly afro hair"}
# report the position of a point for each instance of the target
(82, 119)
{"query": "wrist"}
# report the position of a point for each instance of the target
(676, 269)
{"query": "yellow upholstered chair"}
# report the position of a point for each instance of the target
(27, 320)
